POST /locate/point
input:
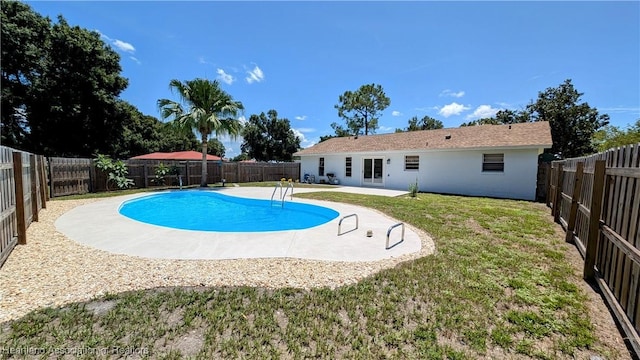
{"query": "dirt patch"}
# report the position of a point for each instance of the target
(188, 344)
(476, 227)
(175, 318)
(281, 319)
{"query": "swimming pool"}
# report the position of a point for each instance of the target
(211, 211)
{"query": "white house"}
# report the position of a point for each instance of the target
(487, 160)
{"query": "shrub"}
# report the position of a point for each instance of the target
(116, 171)
(413, 189)
(161, 171)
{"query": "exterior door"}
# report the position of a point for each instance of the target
(372, 171)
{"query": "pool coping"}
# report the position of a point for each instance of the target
(99, 225)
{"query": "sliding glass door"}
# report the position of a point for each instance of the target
(372, 173)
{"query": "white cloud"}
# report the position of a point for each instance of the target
(255, 75)
(427, 109)
(448, 92)
(242, 119)
(224, 77)
(304, 142)
(124, 46)
(385, 129)
(452, 109)
(231, 145)
(119, 44)
(306, 130)
(483, 111)
(396, 113)
(622, 109)
(301, 118)
(135, 60)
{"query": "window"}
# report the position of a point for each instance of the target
(321, 167)
(347, 166)
(412, 162)
(493, 162)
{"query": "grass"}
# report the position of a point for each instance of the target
(498, 286)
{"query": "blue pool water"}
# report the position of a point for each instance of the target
(211, 211)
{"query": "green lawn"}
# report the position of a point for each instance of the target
(498, 286)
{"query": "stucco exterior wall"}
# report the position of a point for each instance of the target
(451, 171)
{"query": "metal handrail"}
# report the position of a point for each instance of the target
(344, 217)
(389, 233)
(283, 197)
(278, 185)
(290, 186)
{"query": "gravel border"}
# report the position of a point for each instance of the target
(53, 270)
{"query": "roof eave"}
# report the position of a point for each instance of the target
(475, 148)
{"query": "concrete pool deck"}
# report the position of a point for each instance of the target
(99, 225)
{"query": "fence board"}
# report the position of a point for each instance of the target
(615, 195)
(20, 203)
(573, 210)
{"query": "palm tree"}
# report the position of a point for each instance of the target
(210, 110)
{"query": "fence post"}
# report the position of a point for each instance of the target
(17, 174)
(144, 175)
(93, 178)
(594, 220)
(186, 172)
(34, 186)
(558, 195)
(551, 186)
(43, 181)
(577, 189)
(50, 172)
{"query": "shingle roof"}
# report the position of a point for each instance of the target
(533, 134)
(177, 155)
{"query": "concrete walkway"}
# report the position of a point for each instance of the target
(101, 226)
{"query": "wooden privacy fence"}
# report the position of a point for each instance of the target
(143, 171)
(71, 176)
(22, 195)
(79, 176)
(596, 199)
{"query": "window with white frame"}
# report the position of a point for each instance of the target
(321, 167)
(492, 162)
(412, 162)
(347, 166)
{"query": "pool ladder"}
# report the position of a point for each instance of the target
(282, 196)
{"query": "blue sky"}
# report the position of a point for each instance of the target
(454, 61)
